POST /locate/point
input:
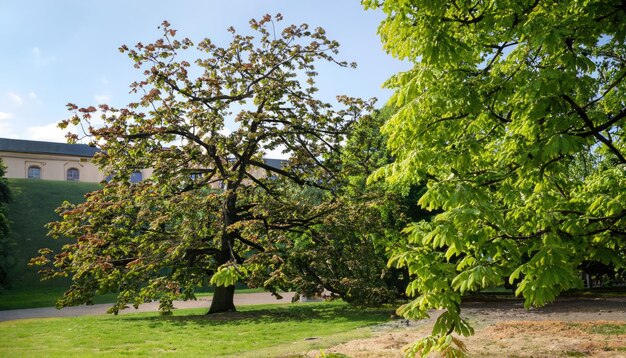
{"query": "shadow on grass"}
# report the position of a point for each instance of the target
(314, 312)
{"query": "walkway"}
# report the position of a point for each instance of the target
(241, 299)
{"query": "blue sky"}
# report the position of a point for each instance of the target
(61, 51)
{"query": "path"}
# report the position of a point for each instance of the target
(241, 299)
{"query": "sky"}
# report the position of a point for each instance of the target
(56, 52)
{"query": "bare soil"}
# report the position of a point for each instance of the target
(570, 327)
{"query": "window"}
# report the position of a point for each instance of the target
(136, 177)
(34, 172)
(73, 174)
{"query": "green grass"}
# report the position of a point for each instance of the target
(32, 207)
(606, 329)
(256, 331)
(39, 296)
(43, 295)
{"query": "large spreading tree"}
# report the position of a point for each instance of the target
(213, 210)
(513, 116)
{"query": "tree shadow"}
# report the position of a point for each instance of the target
(294, 313)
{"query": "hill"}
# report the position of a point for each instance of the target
(33, 206)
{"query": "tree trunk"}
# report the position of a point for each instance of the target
(223, 297)
(223, 300)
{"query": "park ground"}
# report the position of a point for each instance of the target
(580, 326)
(587, 326)
(570, 327)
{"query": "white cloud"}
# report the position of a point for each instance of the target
(6, 129)
(16, 98)
(49, 132)
(225, 132)
(6, 115)
(32, 95)
(52, 133)
(276, 153)
(104, 80)
(40, 58)
(102, 98)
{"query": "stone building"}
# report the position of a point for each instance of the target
(27, 159)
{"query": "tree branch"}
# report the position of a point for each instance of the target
(583, 115)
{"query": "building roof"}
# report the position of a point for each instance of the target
(76, 150)
(275, 163)
(31, 146)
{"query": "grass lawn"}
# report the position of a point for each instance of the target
(42, 295)
(46, 295)
(254, 331)
(31, 208)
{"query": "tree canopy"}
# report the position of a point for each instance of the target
(346, 254)
(213, 209)
(513, 116)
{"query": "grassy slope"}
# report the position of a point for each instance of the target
(33, 205)
(258, 330)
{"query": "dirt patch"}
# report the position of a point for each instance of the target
(549, 339)
(570, 327)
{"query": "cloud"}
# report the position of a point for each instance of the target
(40, 58)
(277, 153)
(102, 98)
(6, 129)
(6, 115)
(104, 80)
(16, 98)
(225, 131)
(49, 132)
(32, 95)
(52, 133)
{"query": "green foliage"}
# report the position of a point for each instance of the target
(228, 275)
(345, 254)
(514, 116)
(177, 230)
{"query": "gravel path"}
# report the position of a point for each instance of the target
(241, 299)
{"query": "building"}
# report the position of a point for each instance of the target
(27, 159)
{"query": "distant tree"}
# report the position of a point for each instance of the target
(7, 245)
(346, 254)
(175, 231)
(514, 116)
